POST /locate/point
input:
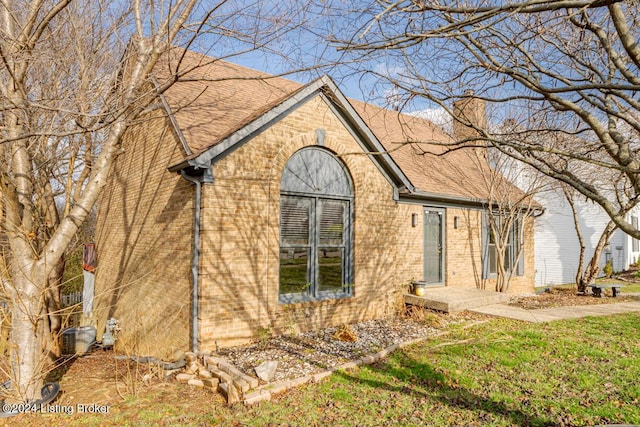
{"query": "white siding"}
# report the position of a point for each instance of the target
(556, 241)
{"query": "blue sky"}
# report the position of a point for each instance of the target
(303, 43)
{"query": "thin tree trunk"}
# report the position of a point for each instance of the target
(580, 273)
(52, 315)
(592, 270)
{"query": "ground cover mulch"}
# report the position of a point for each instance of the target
(565, 297)
(632, 275)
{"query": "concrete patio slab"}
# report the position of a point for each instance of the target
(451, 300)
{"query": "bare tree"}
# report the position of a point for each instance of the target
(566, 73)
(73, 77)
(586, 274)
(508, 214)
(59, 91)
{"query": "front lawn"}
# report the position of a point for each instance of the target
(578, 372)
(498, 373)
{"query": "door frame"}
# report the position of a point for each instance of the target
(442, 214)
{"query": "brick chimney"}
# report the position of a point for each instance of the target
(468, 110)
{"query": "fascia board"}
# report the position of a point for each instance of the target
(174, 122)
(361, 132)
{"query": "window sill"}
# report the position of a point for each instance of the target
(299, 298)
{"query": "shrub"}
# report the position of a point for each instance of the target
(608, 269)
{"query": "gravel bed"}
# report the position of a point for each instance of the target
(312, 352)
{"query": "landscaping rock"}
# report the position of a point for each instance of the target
(196, 382)
(177, 355)
(307, 353)
(229, 391)
(236, 374)
(279, 387)
(169, 374)
(213, 361)
(234, 395)
(300, 381)
(222, 376)
(203, 373)
(211, 383)
(202, 354)
(320, 376)
(183, 378)
(241, 384)
(266, 371)
(257, 396)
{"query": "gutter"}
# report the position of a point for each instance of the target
(424, 196)
(197, 177)
(419, 196)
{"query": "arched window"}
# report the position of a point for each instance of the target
(316, 202)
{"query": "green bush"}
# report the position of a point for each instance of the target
(608, 269)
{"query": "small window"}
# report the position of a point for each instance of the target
(315, 227)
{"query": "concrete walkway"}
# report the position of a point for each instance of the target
(557, 313)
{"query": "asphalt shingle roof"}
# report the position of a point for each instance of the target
(217, 98)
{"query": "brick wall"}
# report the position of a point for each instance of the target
(464, 252)
(143, 238)
(240, 263)
(464, 248)
(410, 243)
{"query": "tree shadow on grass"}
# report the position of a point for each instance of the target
(422, 381)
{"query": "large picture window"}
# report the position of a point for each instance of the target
(316, 201)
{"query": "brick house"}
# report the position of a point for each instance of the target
(247, 204)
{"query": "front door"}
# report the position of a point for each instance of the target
(433, 245)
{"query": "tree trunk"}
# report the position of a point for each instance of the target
(26, 334)
(591, 272)
(580, 272)
(52, 315)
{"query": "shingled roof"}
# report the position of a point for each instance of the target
(217, 99)
(413, 143)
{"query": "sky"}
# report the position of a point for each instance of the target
(303, 30)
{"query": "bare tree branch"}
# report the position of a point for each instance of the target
(568, 72)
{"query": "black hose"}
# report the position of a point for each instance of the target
(48, 393)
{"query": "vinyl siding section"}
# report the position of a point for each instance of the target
(556, 242)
